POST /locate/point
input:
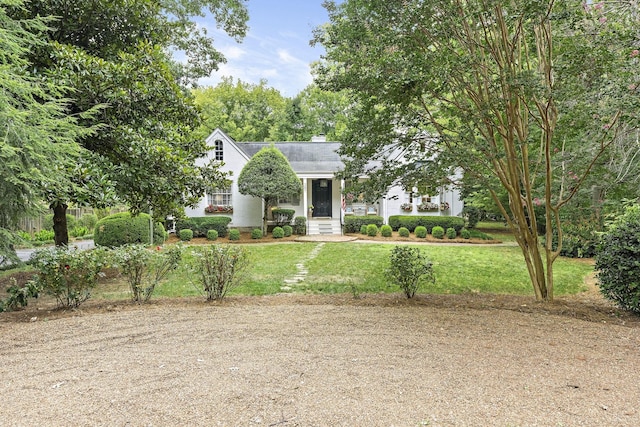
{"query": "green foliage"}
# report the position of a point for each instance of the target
(234, 234)
(465, 234)
(283, 216)
(300, 225)
(363, 229)
(18, 296)
(437, 232)
(372, 230)
(353, 223)
(618, 261)
(256, 233)
(185, 234)
(269, 175)
(451, 233)
(408, 268)
(278, 233)
(472, 215)
(428, 221)
(579, 240)
(87, 220)
(403, 232)
(421, 231)
(122, 229)
(146, 268)
(68, 274)
(386, 231)
(43, 236)
(287, 230)
(79, 231)
(201, 225)
(219, 269)
(477, 234)
(212, 235)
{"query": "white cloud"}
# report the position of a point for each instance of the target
(232, 52)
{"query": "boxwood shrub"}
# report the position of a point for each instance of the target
(234, 234)
(437, 232)
(427, 221)
(201, 225)
(403, 232)
(421, 231)
(278, 233)
(300, 225)
(386, 231)
(256, 233)
(451, 233)
(185, 234)
(353, 223)
(212, 235)
(122, 229)
(617, 262)
(372, 230)
(363, 229)
(287, 230)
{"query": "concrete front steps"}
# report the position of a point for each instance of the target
(324, 226)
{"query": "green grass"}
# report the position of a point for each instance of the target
(458, 269)
(343, 267)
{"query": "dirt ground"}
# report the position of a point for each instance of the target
(331, 360)
(301, 360)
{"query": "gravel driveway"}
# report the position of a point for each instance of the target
(317, 361)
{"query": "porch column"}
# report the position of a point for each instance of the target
(305, 201)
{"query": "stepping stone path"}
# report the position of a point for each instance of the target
(302, 271)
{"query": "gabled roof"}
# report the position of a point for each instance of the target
(304, 157)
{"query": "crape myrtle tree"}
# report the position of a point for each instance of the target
(117, 55)
(524, 96)
(37, 137)
(268, 175)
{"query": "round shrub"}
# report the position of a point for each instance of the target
(300, 225)
(278, 233)
(403, 232)
(256, 233)
(234, 234)
(185, 235)
(372, 230)
(386, 231)
(363, 229)
(122, 229)
(421, 231)
(465, 234)
(212, 234)
(288, 230)
(437, 232)
(451, 233)
(617, 263)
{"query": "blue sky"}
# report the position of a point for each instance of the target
(276, 47)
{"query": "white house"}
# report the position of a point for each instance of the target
(316, 164)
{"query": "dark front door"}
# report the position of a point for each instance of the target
(321, 197)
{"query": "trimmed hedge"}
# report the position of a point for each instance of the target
(278, 233)
(283, 216)
(403, 232)
(234, 234)
(122, 229)
(385, 231)
(427, 221)
(201, 225)
(353, 224)
(287, 230)
(212, 235)
(300, 225)
(256, 233)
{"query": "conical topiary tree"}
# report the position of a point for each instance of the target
(269, 175)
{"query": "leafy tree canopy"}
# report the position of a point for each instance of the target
(38, 138)
(116, 55)
(525, 97)
(269, 175)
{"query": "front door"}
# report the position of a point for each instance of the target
(321, 197)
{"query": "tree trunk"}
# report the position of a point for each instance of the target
(60, 224)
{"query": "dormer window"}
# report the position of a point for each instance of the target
(218, 152)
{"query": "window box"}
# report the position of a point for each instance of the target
(212, 209)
